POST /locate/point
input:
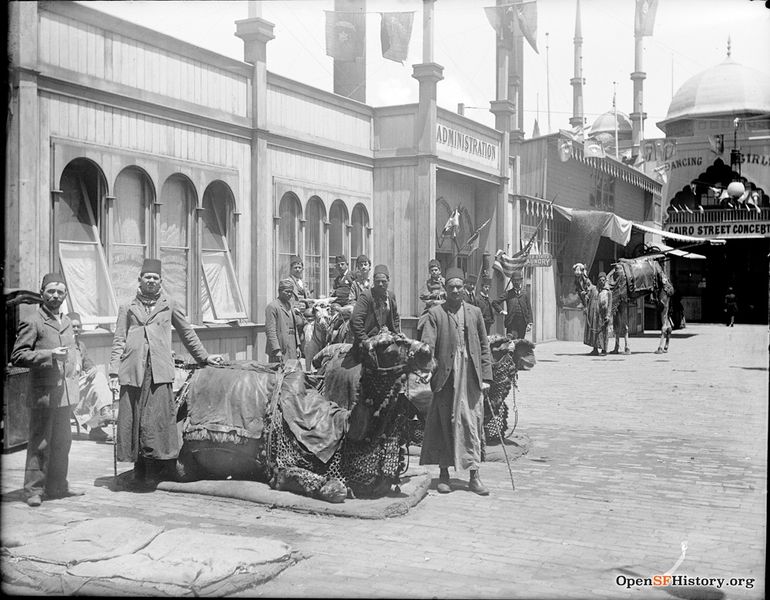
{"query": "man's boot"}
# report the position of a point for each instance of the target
(443, 486)
(476, 486)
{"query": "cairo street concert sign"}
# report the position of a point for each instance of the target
(725, 229)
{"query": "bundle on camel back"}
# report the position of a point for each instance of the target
(273, 424)
(509, 356)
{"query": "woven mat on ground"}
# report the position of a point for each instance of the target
(95, 539)
(189, 559)
(413, 489)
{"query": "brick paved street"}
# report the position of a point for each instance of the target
(630, 457)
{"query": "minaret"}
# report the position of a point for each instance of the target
(576, 82)
(638, 77)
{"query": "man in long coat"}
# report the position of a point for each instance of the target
(142, 368)
(283, 326)
(454, 425)
(375, 308)
(518, 308)
(45, 344)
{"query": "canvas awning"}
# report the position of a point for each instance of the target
(678, 236)
(668, 250)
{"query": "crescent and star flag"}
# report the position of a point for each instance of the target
(644, 18)
(473, 241)
(501, 18)
(452, 225)
(395, 33)
(345, 35)
(594, 148)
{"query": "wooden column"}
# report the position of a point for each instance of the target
(260, 245)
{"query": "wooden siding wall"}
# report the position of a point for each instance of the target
(310, 118)
(394, 131)
(324, 172)
(107, 55)
(398, 234)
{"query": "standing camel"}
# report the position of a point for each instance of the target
(633, 278)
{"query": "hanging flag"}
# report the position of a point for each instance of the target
(593, 147)
(644, 18)
(395, 33)
(536, 130)
(345, 35)
(501, 20)
(473, 241)
(565, 149)
(452, 225)
(717, 144)
(527, 18)
(661, 173)
(508, 265)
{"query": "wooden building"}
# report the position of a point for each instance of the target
(125, 143)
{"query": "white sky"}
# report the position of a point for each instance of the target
(690, 36)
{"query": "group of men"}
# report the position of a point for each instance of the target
(455, 324)
(141, 373)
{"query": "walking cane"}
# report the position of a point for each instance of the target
(115, 398)
(502, 443)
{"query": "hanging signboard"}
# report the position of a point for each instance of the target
(539, 260)
(746, 229)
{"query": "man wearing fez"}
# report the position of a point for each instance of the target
(454, 426)
(94, 409)
(486, 304)
(375, 308)
(45, 344)
(361, 280)
(518, 318)
(142, 369)
(433, 292)
(284, 327)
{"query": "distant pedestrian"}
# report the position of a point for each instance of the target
(284, 326)
(469, 290)
(454, 426)
(518, 308)
(299, 289)
(142, 368)
(731, 307)
(45, 344)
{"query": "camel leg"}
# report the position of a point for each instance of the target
(665, 330)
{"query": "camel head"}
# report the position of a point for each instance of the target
(580, 270)
(388, 350)
(322, 312)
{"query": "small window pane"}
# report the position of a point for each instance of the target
(130, 210)
(174, 213)
(72, 220)
(125, 264)
(287, 233)
(221, 287)
(360, 234)
(87, 282)
(313, 246)
(213, 225)
(175, 274)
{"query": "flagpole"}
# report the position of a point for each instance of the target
(532, 238)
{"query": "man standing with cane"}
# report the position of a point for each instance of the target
(45, 343)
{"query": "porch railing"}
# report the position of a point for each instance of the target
(719, 215)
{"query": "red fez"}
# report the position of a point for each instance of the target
(455, 273)
(150, 265)
(52, 278)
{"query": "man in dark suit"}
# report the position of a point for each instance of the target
(45, 343)
(518, 318)
(142, 368)
(454, 426)
(283, 325)
(487, 306)
(375, 308)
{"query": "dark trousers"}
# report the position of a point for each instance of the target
(50, 439)
(517, 326)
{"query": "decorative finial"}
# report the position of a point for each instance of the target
(729, 43)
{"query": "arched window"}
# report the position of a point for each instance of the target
(177, 199)
(129, 230)
(77, 245)
(359, 242)
(289, 212)
(338, 236)
(314, 245)
(220, 295)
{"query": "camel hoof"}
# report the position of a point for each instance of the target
(626, 351)
(665, 350)
(659, 351)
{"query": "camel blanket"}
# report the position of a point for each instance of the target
(640, 276)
